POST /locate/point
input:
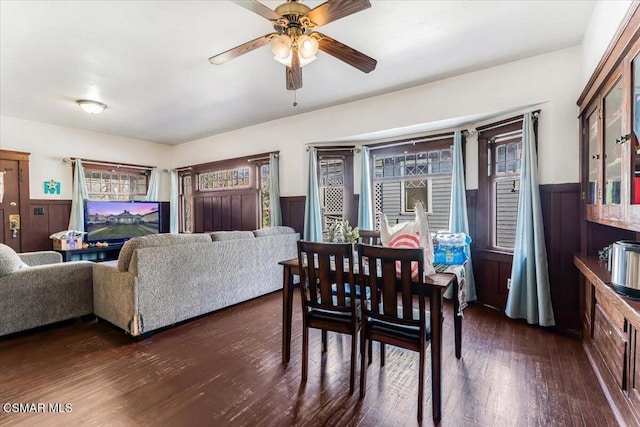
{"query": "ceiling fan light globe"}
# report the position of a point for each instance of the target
(281, 46)
(306, 61)
(307, 47)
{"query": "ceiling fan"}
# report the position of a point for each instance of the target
(295, 41)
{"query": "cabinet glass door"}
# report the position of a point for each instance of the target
(612, 144)
(635, 150)
(594, 158)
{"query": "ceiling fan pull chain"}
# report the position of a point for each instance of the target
(295, 98)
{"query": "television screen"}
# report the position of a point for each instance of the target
(116, 221)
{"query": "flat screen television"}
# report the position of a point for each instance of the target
(118, 221)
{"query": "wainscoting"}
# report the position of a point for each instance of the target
(45, 218)
(230, 211)
(561, 215)
(50, 216)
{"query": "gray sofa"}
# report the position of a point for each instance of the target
(163, 279)
(37, 289)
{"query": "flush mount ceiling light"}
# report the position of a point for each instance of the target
(91, 107)
(295, 41)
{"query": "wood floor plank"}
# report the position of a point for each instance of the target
(225, 369)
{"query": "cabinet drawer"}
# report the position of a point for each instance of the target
(611, 344)
(607, 301)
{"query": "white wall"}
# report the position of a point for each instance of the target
(553, 79)
(49, 144)
(605, 20)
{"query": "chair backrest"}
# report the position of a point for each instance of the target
(370, 237)
(388, 273)
(327, 277)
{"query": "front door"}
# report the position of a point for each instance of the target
(13, 182)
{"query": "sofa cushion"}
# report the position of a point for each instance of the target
(218, 236)
(155, 240)
(273, 231)
(10, 262)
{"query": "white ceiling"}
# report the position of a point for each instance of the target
(148, 60)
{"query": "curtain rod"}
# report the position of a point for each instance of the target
(257, 159)
(496, 126)
(116, 165)
(355, 150)
(411, 142)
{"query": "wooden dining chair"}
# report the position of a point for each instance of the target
(369, 237)
(329, 302)
(394, 277)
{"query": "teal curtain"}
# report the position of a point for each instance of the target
(458, 219)
(76, 220)
(275, 214)
(312, 212)
(529, 297)
(365, 204)
(153, 189)
(173, 203)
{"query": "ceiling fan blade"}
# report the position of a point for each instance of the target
(259, 8)
(240, 50)
(347, 54)
(335, 9)
(294, 74)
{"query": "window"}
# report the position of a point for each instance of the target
(105, 183)
(406, 174)
(500, 148)
(264, 195)
(185, 201)
(335, 182)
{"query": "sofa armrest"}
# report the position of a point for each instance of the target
(35, 296)
(41, 258)
(114, 296)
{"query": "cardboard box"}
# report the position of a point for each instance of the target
(65, 244)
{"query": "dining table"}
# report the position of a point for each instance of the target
(437, 284)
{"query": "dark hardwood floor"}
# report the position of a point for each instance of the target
(225, 369)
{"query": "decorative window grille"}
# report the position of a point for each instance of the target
(265, 202)
(332, 191)
(186, 204)
(115, 185)
(224, 179)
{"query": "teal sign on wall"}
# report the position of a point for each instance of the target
(52, 187)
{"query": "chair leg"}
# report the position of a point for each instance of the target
(421, 383)
(370, 352)
(354, 353)
(363, 364)
(324, 341)
(382, 354)
(305, 352)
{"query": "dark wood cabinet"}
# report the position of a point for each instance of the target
(610, 325)
(610, 122)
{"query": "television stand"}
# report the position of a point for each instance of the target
(95, 253)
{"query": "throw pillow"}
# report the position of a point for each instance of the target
(10, 262)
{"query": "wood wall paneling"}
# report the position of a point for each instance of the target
(561, 212)
(214, 211)
(50, 216)
(293, 212)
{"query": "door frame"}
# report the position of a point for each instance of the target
(23, 188)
